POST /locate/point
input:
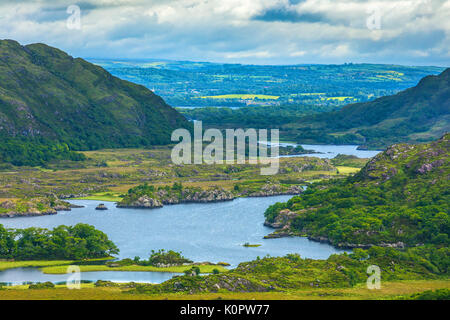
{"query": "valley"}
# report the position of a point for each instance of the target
(87, 178)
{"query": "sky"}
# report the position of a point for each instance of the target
(407, 32)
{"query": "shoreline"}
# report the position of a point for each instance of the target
(278, 233)
(93, 198)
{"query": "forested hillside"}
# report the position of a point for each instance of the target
(418, 114)
(48, 97)
(400, 198)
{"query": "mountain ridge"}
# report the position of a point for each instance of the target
(417, 114)
(400, 198)
(47, 94)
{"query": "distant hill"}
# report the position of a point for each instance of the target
(417, 114)
(47, 95)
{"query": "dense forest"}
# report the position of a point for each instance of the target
(81, 241)
(400, 197)
(22, 152)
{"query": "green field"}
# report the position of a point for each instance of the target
(388, 290)
(4, 265)
(61, 269)
(242, 96)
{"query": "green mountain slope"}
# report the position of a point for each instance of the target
(46, 95)
(418, 114)
(400, 198)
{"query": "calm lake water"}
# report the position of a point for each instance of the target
(203, 232)
(329, 151)
(23, 275)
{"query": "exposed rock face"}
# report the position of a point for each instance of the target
(222, 282)
(163, 197)
(33, 207)
(29, 213)
(272, 189)
(398, 245)
(143, 202)
(211, 195)
(283, 219)
(430, 166)
(101, 206)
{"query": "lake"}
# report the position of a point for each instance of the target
(329, 151)
(211, 232)
(202, 232)
(19, 276)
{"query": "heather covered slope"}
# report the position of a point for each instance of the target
(400, 198)
(46, 95)
(418, 114)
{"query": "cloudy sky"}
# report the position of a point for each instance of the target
(413, 32)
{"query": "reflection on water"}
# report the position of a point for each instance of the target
(27, 275)
(202, 232)
(330, 151)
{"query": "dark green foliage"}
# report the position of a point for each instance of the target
(402, 195)
(253, 117)
(43, 285)
(141, 190)
(273, 210)
(81, 241)
(157, 258)
(194, 271)
(47, 94)
(166, 258)
(439, 294)
(294, 272)
(21, 152)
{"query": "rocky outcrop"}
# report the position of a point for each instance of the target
(272, 189)
(101, 206)
(426, 167)
(28, 213)
(282, 220)
(211, 195)
(144, 202)
(347, 245)
(187, 195)
(32, 207)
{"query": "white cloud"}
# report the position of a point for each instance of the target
(248, 31)
(246, 54)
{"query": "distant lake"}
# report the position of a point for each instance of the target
(330, 151)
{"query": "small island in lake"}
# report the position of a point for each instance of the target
(248, 245)
(101, 206)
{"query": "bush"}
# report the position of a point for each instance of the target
(167, 257)
(439, 294)
(44, 285)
